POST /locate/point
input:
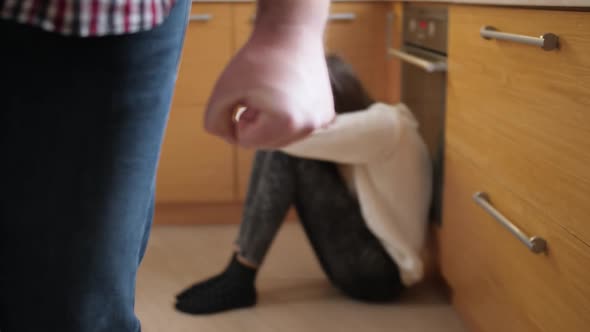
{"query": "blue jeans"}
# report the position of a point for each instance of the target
(81, 123)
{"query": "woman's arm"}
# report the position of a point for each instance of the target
(354, 138)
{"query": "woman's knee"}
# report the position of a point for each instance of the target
(268, 158)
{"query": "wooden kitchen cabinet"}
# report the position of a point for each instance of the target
(356, 31)
(518, 128)
(196, 167)
(243, 15)
(201, 179)
(207, 49)
(499, 285)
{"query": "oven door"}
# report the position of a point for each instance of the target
(423, 91)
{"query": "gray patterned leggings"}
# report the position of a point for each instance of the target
(351, 256)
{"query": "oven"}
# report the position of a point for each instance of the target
(423, 80)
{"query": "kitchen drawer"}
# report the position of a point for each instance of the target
(498, 284)
(522, 114)
(207, 49)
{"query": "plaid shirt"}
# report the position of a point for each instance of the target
(87, 18)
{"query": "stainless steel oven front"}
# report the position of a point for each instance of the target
(423, 80)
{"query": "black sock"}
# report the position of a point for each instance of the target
(232, 289)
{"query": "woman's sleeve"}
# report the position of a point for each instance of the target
(353, 138)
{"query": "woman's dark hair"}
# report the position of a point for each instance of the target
(348, 91)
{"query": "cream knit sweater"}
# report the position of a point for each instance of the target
(391, 173)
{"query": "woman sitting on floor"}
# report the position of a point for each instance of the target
(361, 188)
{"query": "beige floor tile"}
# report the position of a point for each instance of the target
(294, 296)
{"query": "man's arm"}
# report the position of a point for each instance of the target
(309, 13)
(280, 76)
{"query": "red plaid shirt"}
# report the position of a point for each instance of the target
(87, 17)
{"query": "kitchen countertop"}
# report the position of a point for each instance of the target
(540, 3)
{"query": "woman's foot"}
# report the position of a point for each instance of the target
(232, 289)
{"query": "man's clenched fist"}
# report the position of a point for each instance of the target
(280, 77)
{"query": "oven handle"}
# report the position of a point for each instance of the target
(428, 66)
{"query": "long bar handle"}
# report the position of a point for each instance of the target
(428, 66)
(547, 41)
(200, 17)
(342, 17)
(332, 17)
(535, 244)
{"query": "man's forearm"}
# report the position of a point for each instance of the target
(308, 13)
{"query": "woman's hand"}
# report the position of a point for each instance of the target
(281, 77)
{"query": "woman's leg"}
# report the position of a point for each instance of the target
(81, 121)
(270, 194)
(352, 257)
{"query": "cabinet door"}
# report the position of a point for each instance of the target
(207, 49)
(243, 23)
(522, 113)
(356, 31)
(517, 128)
(195, 166)
(243, 15)
(498, 283)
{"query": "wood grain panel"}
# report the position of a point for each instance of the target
(207, 49)
(243, 16)
(523, 114)
(498, 282)
(393, 92)
(195, 166)
(361, 42)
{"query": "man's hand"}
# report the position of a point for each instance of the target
(280, 76)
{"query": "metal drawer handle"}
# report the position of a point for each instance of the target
(548, 41)
(428, 66)
(200, 17)
(535, 244)
(332, 17)
(342, 17)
